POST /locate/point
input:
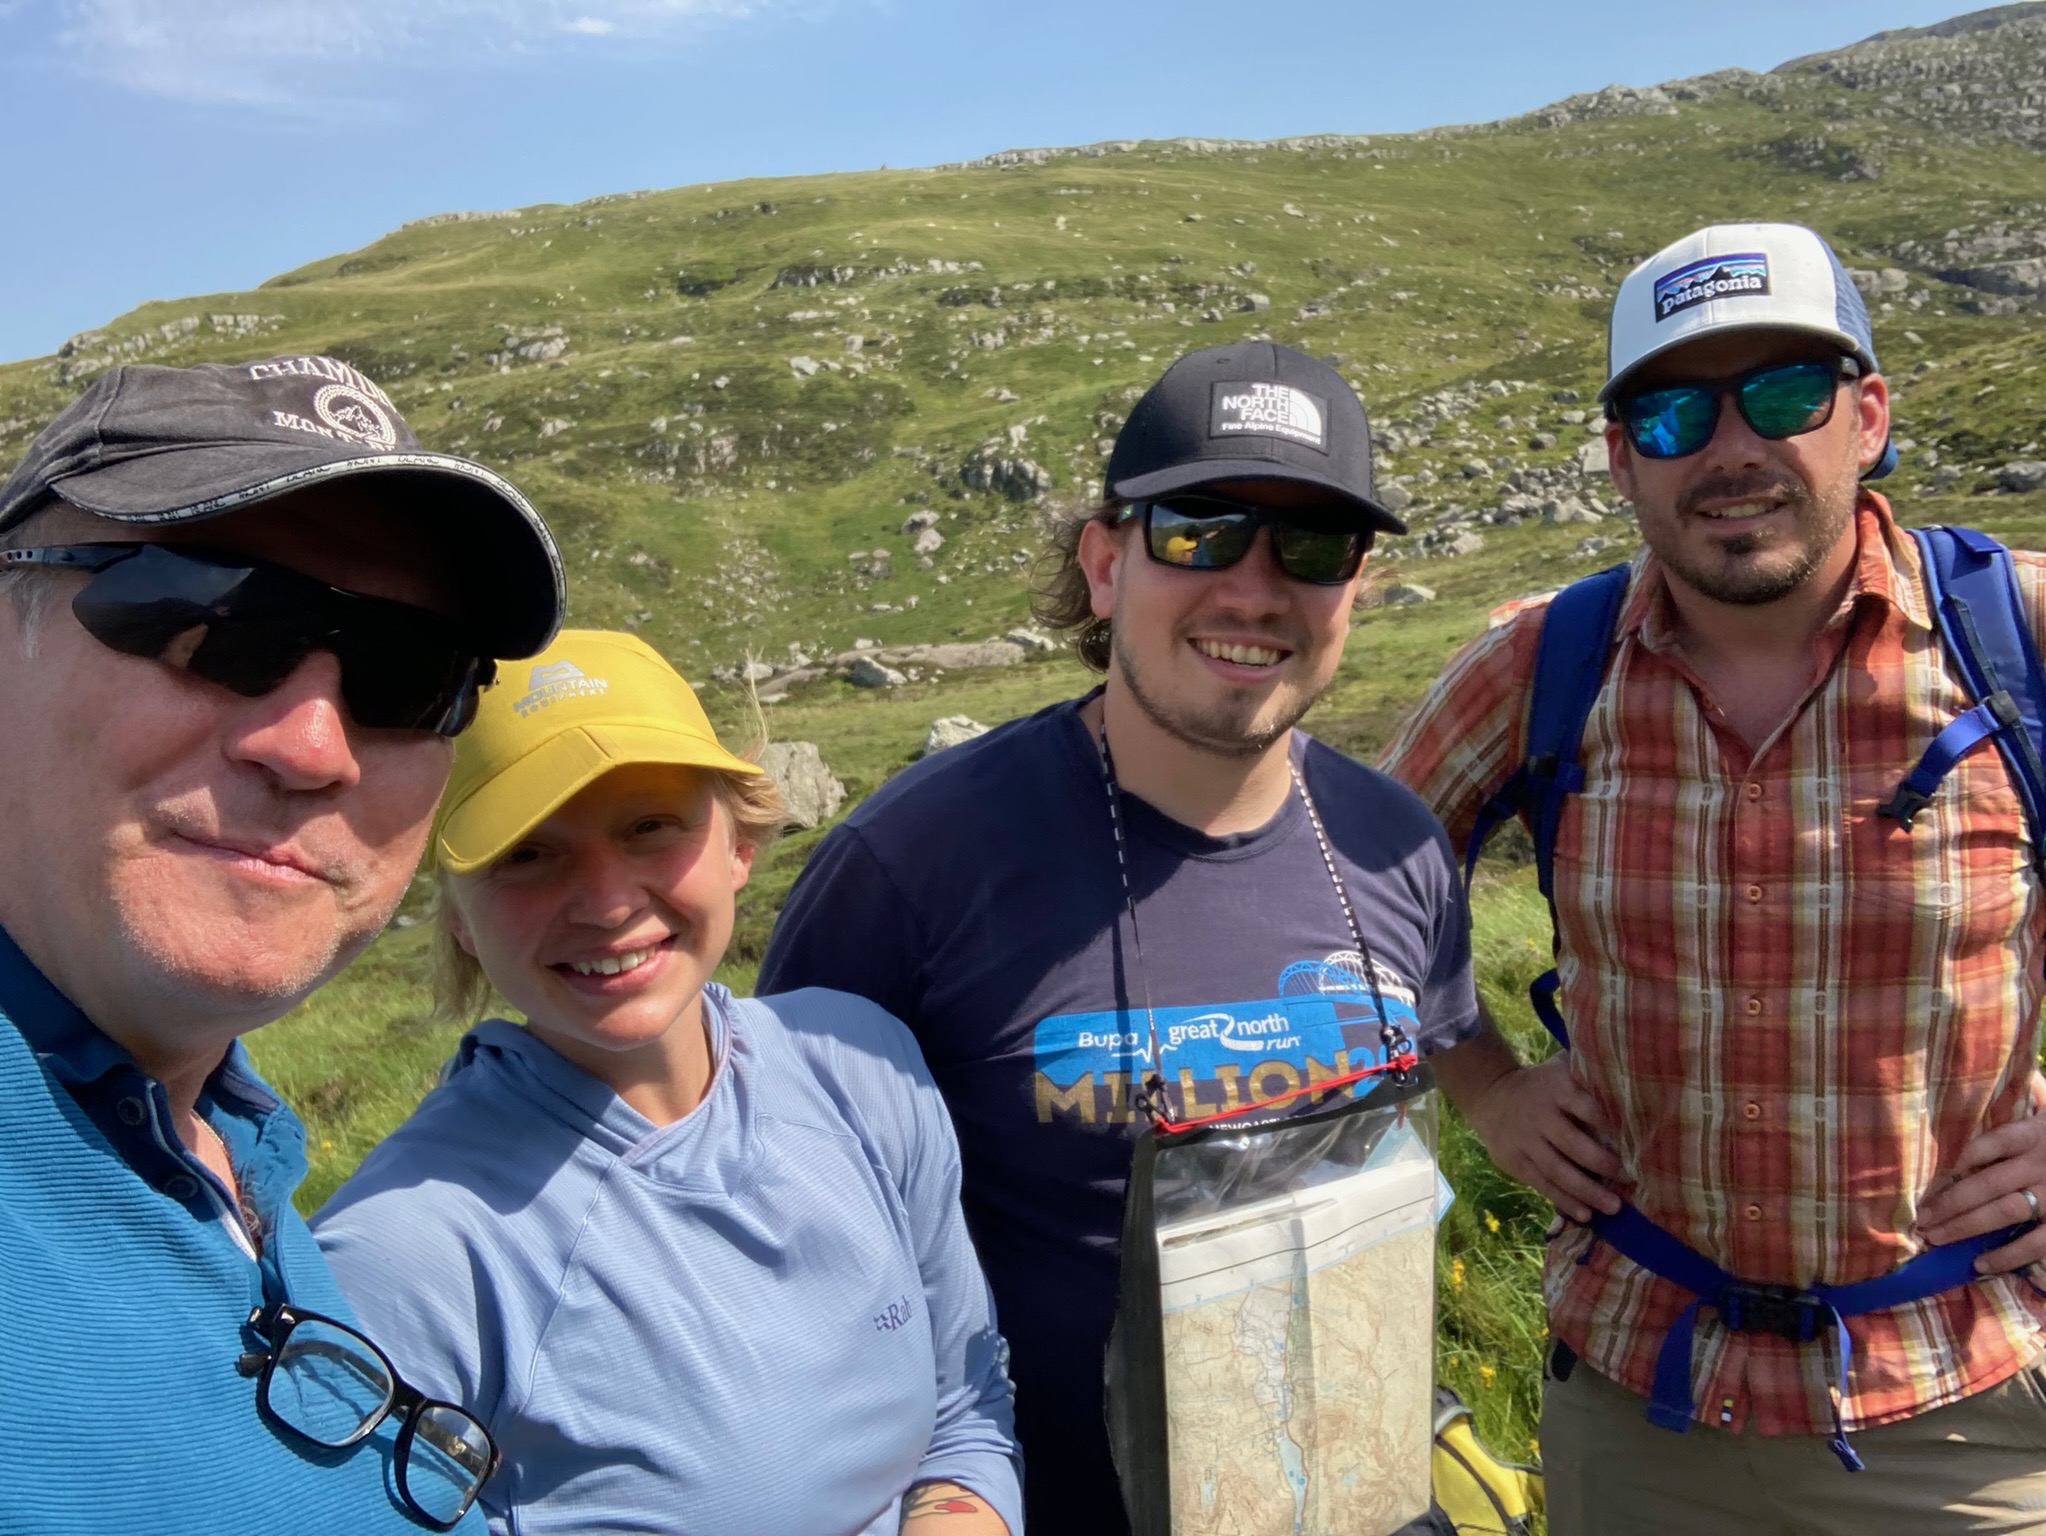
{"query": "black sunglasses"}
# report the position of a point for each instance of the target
(327, 1384)
(1206, 532)
(1782, 400)
(247, 624)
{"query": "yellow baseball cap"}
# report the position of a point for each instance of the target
(594, 700)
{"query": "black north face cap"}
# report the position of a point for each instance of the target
(147, 444)
(1251, 411)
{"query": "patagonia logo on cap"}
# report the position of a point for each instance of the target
(1715, 277)
(555, 681)
(1270, 410)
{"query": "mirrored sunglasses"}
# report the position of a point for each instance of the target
(247, 624)
(1779, 401)
(1205, 532)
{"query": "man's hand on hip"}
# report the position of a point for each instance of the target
(1987, 1190)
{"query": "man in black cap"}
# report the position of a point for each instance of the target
(1147, 860)
(243, 613)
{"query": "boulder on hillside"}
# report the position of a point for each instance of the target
(809, 792)
(916, 522)
(1592, 460)
(951, 731)
(1031, 639)
(2021, 475)
(1405, 594)
(928, 542)
(869, 673)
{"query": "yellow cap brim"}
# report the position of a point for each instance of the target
(512, 802)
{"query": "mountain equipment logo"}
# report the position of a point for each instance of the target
(1270, 410)
(1715, 277)
(555, 681)
(354, 416)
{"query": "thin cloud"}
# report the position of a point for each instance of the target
(303, 56)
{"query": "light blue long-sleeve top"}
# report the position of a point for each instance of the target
(765, 1318)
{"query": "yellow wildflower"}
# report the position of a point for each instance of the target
(1485, 1374)
(1491, 1222)
(1456, 1274)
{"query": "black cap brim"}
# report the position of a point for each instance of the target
(517, 598)
(1185, 477)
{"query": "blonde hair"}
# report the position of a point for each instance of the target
(462, 994)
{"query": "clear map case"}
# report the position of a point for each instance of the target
(1272, 1369)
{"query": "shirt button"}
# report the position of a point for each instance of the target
(131, 1111)
(1754, 791)
(1754, 1006)
(1751, 1111)
(181, 1186)
(1753, 1213)
(1754, 893)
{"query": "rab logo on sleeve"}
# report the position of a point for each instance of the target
(1270, 410)
(1715, 277)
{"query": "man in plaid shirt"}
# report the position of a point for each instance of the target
(1803, 1037)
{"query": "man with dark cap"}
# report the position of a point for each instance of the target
(1149, 857)
(243, 613)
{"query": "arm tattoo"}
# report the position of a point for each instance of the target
(939, 1499)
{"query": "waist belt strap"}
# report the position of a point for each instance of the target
(1671, 1404)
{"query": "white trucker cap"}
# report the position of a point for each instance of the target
(1728, 277)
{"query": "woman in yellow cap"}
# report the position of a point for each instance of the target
(696, 1261)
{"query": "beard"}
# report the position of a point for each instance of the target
(1745, 571)
(1228, 728)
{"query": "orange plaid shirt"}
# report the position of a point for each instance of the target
(1793, 1013)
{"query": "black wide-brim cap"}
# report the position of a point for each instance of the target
(1251, 410)
(154, 445)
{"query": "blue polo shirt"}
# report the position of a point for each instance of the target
(127, 1278)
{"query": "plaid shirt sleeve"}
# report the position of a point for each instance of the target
(1466, 736)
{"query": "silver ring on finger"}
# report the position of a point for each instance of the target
(2032, 1200)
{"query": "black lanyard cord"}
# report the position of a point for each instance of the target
(1149, 1098)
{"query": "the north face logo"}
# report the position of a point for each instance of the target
(554, 681)
(1269, 410)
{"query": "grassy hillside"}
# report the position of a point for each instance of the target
(728, 399)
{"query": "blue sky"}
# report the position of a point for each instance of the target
(163, 148)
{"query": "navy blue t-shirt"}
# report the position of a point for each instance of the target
(976, 897)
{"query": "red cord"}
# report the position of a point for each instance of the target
(1405, 1062)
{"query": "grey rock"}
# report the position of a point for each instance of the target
(1542, 441)
(918, 520)
(950, 732)
(869, 673)
(1394, 498)
(1405, 594)
(810, 793)
(1946, 476)
(1464, 544)
(1591, 459)
(1573, 418)
(755, 672)
(1593, 545)
(1474, 468)
(2021, 475)
(928, 542)
(1563, 396)
(1031, 640)
(806, 366)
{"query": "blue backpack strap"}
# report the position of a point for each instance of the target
(1973, 588)
(1569, 670)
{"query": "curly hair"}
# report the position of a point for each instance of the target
(1060, 598)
